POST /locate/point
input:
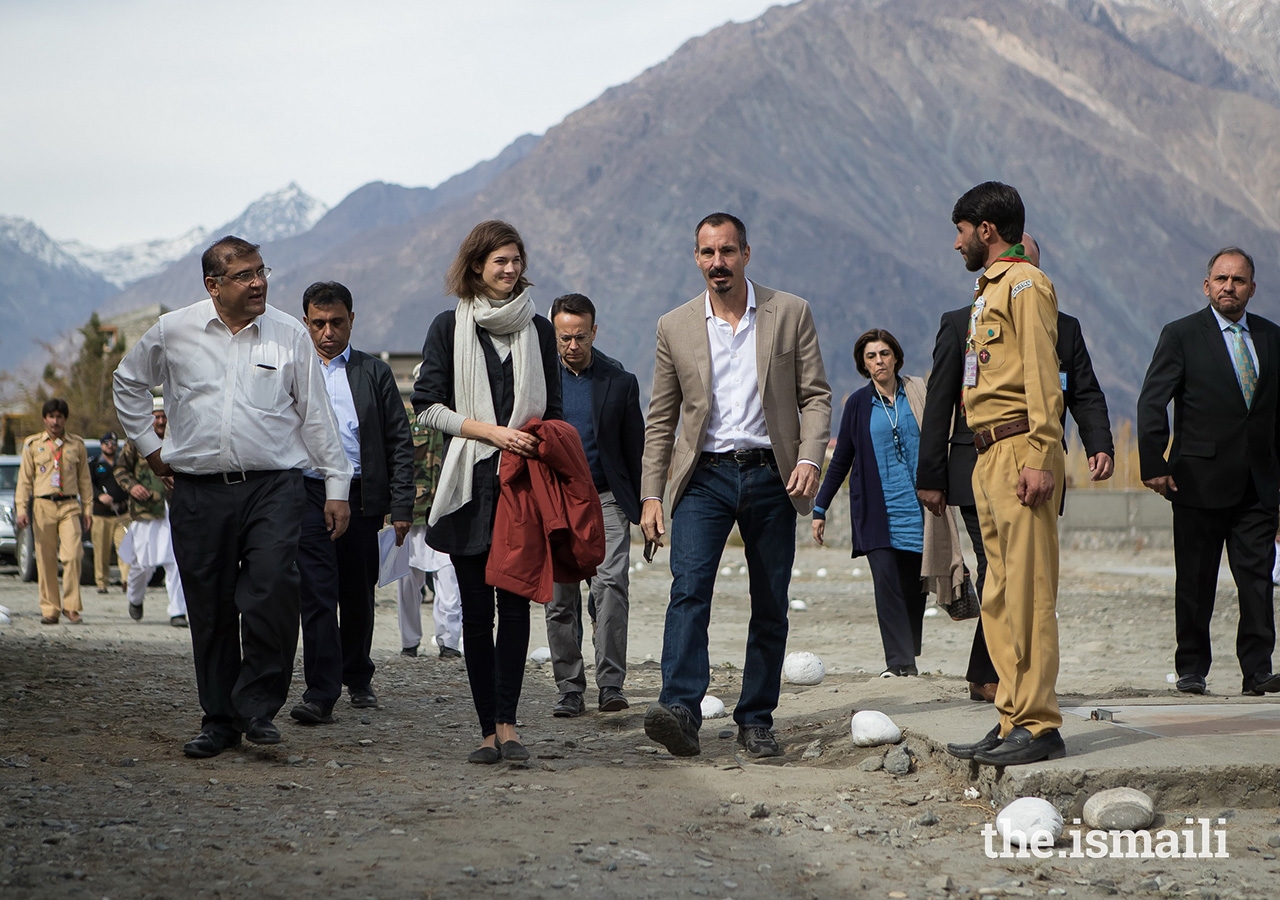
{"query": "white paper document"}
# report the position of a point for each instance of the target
(393, 561)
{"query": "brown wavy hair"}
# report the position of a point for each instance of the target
(876, 334)
(463, 281)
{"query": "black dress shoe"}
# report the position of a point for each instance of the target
(672, 727)
(450, 652)
(484, 756)
(1020, 748)
(966, 751)
(102, 590)
(1194, 684)
(262, 731)
(513, 751)
(179, 622)
(613, 700)
(308, 712)
(363, 699)
(569, 706)
(209, 743)
(758, 741)
(410, 651)
(135, 611)
(1261, 683)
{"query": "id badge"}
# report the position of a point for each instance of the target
(1062, 377)
(55, 477)
(970, 369)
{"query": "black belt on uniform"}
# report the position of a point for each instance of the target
(984, 439)
(227, 477)
(56, 498)
(759, 457)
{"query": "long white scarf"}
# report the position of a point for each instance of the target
(473, 398)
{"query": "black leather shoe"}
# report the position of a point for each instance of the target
(569, 706)
(209, 743)
(102, 590)
(613, 700)
(450, 652)
(966, 751)
(179, 622)
(308, 712)
(758, 741)
(1261, 683)
(135, 611)
(484, 756)
(410, 651)
(1194, 684)
(513, 751)
(364, 699)
(1020, 748)
(899, 671)
(262, 731)
(672, 727)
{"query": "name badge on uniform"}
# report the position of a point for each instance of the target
(1062, 376)
(55, 478)
(970, 369)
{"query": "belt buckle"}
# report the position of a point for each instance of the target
(234, 477)
(743, 457)
(982, 440)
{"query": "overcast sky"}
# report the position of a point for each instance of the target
(136, 119)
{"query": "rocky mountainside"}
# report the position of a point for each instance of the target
(45, 292)
(1143, 135)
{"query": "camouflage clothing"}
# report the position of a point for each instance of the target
(131, 469)
(428, 455)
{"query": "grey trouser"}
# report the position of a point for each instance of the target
(609, 588)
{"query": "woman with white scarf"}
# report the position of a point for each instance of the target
(488, 367)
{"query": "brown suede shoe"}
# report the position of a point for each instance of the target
(983, 693)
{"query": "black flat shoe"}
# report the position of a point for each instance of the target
(613, 700)
(1020, 748)
(966, 751)
(364, 699)
(514, 751)
(209, 743)
(311, 713)
(1192, 684)
(1261, 683)
(484, 756)
(262, 731)
(569, 706)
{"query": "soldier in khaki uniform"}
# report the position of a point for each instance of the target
(1013, 402)
(53, 478)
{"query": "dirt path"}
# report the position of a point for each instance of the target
(96, 799)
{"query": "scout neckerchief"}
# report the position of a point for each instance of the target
(1016, 253)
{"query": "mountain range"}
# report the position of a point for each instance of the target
(1142, 135)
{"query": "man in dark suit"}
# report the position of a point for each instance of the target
(602, 401)
(338, 577)
(1219, 368)
(944, 476)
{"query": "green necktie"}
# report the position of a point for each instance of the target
(1246, 373)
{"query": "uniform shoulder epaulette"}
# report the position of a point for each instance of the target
(31, 439)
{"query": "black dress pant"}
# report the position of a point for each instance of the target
(900, 602)
(981, 669)
(1248, 531)
(495, 667)
(236, 547)
(338, 580)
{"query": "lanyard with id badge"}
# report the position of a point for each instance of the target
(971, 354)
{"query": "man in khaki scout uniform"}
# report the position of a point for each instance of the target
(1013, 403)
(53, 478)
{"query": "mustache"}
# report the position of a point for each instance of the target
(720, 272)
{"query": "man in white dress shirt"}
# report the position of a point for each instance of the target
(739, 366)
(248, 412)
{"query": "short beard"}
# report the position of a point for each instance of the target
(975, 256)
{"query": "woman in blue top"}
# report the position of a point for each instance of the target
(879, 441)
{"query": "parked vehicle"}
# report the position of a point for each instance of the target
(20, 549)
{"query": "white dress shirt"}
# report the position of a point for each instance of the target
(250, 401)
(1224, 323)
(737, 415)
(344, 409)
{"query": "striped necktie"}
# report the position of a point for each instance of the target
(1246, 372)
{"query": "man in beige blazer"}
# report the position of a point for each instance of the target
(739, 366)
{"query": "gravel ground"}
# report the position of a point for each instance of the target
(97, 800)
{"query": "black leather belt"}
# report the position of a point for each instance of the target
(982, 440)
(57, 498)
(747, 458)
(227, 477)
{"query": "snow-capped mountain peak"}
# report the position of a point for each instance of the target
(29, 239)
(275, 216)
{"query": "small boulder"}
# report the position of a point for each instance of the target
(713, 707)
(897, 761)
(873, 763)
(1024, 818)
(1122, 808)
(541, 655)
(871, 729)
(803, 668)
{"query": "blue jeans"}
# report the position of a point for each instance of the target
(720, 494)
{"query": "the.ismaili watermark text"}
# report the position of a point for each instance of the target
(1199, 841)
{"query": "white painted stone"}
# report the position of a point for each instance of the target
(796, 573)
(1122, 808)
(931, 612)
(713, 707)
(857, 572)
(4, 618)
(541, 655)
(821, 573)
(1172, 678)
(639, 566)
(799, 605)
(727, 570)
(1024, 818)
(742, 570)
(871, 729)
(803, 668)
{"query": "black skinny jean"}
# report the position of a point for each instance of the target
(495, 668)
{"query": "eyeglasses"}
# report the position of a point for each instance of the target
(568, 339)
(247, 278)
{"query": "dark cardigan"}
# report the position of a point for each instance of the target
(469, 530)
(855, 451)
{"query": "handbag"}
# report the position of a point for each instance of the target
(967, 605)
